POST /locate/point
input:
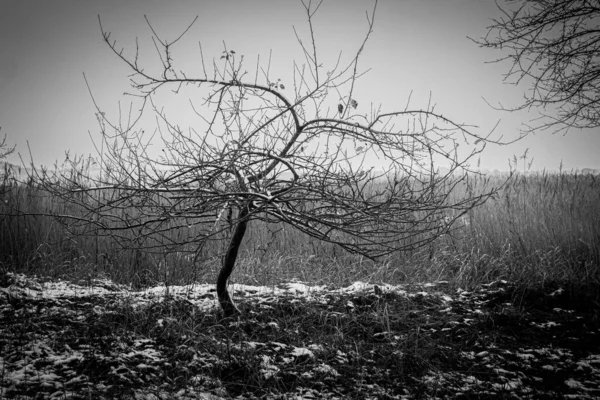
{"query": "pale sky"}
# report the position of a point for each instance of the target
(417, 45)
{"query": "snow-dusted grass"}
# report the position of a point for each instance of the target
(129, 329)
(99, 340)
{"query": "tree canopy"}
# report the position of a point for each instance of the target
(554, 47)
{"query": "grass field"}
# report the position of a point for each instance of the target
(506, 305)
(540, 228)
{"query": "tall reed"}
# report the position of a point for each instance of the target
(541, 227)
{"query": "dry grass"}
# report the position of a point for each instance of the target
(59, 341)
(541, 233)
(540, 229)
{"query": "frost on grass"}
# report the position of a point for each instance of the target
(100, 340)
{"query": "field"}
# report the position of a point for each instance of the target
(505, 304)
(539, 229)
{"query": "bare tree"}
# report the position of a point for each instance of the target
(300, 154)
(554, 46)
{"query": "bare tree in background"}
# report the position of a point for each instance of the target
(554, 46)
(299, 152)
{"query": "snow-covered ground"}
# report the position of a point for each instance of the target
(99, 340)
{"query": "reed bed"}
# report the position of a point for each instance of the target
(540, 228)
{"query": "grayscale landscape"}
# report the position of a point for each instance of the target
(299, 200)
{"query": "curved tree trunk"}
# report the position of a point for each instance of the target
(225, 300)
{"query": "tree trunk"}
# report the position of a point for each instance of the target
(227, 305)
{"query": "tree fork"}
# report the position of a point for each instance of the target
(227, 305)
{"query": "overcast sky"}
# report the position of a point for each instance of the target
(419, 46)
